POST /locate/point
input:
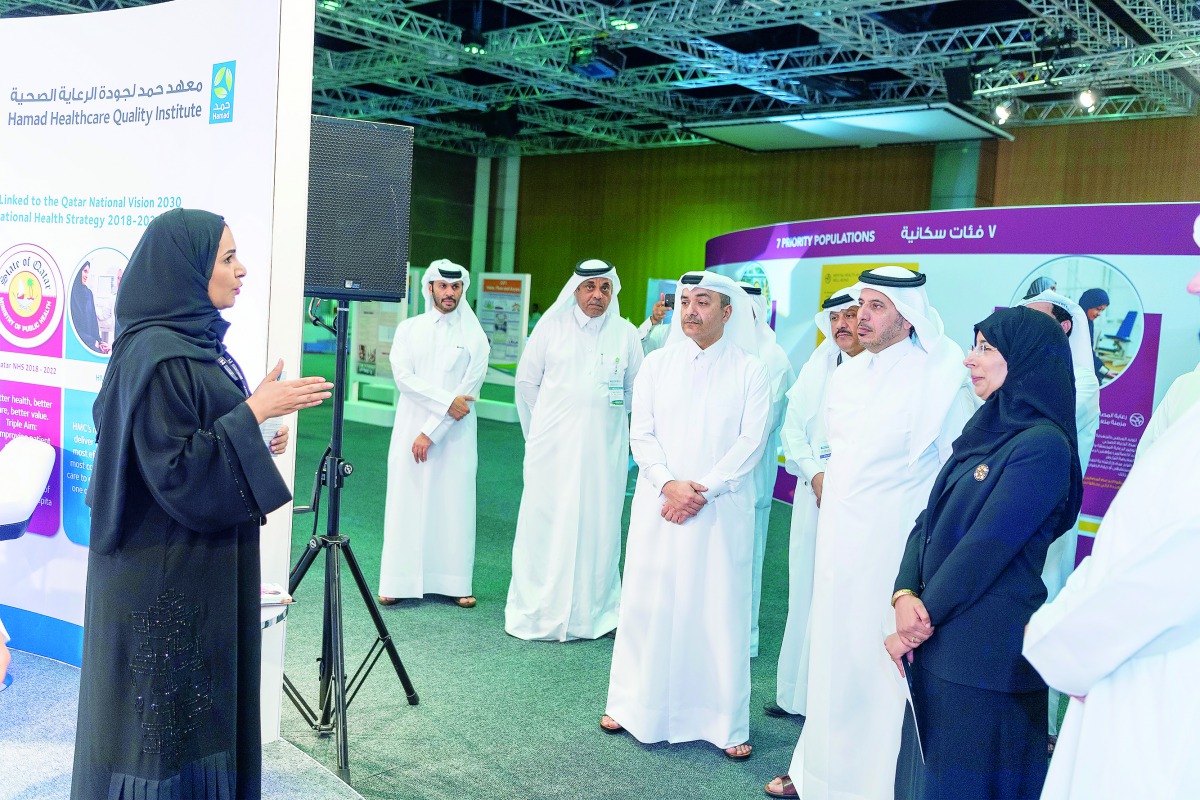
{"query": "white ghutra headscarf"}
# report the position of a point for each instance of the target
(740, 327)
(587, 270)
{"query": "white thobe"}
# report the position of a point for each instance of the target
(1181, 396)
(566, 581)
(429, 513)
(1125, 632)
(779, 378)
(653, 336)
(1060, 556)
(681, 661)
(877, 481)
(805, 450)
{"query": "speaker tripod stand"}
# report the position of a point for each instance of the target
(332, 699)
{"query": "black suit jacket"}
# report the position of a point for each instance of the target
(975, 557)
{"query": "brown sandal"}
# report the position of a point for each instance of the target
(608, 730)
(789, 789)
(736, 756)
(388, 601)
(465, 602)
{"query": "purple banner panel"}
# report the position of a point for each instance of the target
(1162, 229)
(785, 486)
(1125, 408)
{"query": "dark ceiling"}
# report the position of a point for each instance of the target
(549, 76)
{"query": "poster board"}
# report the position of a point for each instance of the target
(92, 150)
(502, 306)
(978, 259)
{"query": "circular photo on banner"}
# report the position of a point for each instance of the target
(93, 297)
(31, 294)
(1108, 298)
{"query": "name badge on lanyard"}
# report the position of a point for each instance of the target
(231, 368)
(616, 384)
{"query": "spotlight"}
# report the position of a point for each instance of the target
(624, 24)
(596, 61)
(474, 42)
(1087, 100)
(1003, 112)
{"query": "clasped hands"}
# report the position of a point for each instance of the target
(683, 500)
(912, 629)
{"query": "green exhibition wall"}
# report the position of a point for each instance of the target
(1144, 161)
(650, 212)
(443, 198)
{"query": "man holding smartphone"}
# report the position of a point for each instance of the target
(653, 331)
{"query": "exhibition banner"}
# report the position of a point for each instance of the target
(502, 307)
(179, 111)
(1141, 255)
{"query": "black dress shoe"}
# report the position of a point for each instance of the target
(773, 709)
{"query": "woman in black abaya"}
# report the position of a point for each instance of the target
(168, 701)
(971, 576)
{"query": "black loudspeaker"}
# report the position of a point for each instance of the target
(359, 192)
(960, 84)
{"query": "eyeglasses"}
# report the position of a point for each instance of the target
(981, 349)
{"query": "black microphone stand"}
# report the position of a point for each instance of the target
(330, 714)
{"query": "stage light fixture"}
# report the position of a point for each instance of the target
(1087, 100)
(596, 61)
(330, 5)
(1003, 112)
(624, 24)
(473, 42)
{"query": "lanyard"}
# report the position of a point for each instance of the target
(231, 368)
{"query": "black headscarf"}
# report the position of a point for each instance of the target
(1039, 390)
(83, 311)
(163, 311)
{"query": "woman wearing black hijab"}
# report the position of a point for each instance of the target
(971, 574)
(83, 312)
(168, 700)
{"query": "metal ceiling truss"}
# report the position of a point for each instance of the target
(402, 65)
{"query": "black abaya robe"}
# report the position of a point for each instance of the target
(169, 695)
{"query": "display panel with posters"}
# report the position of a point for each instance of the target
(1141, 256)
(92, 150)
(502, 307)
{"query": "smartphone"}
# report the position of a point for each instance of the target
(669, 300)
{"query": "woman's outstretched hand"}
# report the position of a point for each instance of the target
(276, 398)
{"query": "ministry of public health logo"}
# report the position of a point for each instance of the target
(31, 292)
(220, 101)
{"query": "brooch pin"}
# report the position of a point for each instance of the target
(981, 472)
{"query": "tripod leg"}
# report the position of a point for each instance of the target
(380, 626)
(325, 663)
(301, 568)
(338, 657)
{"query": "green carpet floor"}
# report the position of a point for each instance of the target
(498, 717)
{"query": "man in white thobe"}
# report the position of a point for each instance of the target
(1060, 558)
(805, 451)
(779, 377)
(1183, 393)
(891, 416)
(654, 330)
(1123, 636)
(701, 405)
(438, 360)
(574, 383)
